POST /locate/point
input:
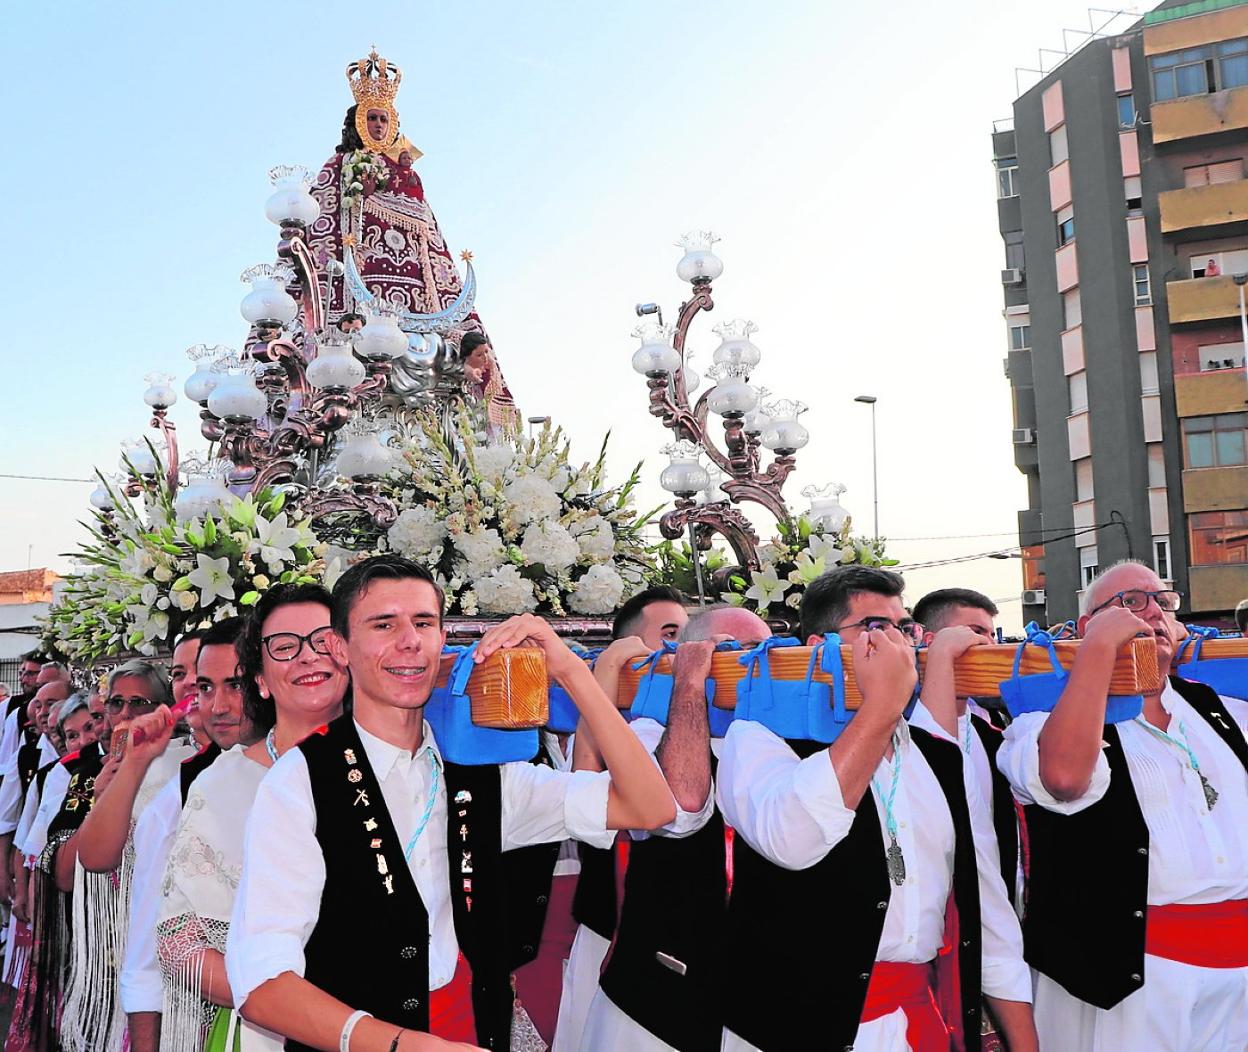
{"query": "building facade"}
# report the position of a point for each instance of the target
(1123, 205)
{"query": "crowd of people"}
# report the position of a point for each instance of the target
(257, 844)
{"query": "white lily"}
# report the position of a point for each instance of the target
(274, 540)
(212, 578)
(824, 548)
(767, 588)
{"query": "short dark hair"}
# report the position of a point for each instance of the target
(825, 603)
(1241, 615)
(354, 583)
(929, 610)
(629, 614)
(470, 342)
(225, 633)
(346, 319)
(34, 656)
(260, 710)
(189, 636)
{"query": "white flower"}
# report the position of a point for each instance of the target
(766, 589)
(416, 532)
(560, 477)
(504, 591)
(824, 548)
(223, 611)
(468, 603)
(148, 594)
(599, 591)
(212, 578)
(482, 551)
(532, 499)
(153, 625)
(163, 574)
(551, 545)
(333, 571)
(137, 562)
(274, 540)
(769, 553)
(493, 461)
(595, 537)
(162, 603)
(186, 600)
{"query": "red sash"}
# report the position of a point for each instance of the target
(450, 1007)
(907, 986)
(1211, 935)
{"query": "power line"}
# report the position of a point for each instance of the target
(43, 478)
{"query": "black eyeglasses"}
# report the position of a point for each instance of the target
(908, 627)
(1136, 600)
(118, 702)
(286, 646)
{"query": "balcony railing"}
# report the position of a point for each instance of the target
(1204, 206)
(1202, 299)
(1221, 111)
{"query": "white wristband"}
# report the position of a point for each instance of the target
(344, 1041)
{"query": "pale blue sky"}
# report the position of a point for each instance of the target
(841, 151)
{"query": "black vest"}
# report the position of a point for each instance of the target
(370, 946)
(193, 766)
(28, 762)
(664, 969)
(1087, 887)
(528, 873)
(801, 944)
(1004, 813)
(79, 796)
(595, 904)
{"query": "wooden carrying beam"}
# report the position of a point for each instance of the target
(978, 673)
(1218, 648)
(507, 691)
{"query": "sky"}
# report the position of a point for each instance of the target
(842, 153)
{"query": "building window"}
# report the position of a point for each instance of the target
(1219, 264)
(1007, 178)
(1221, 356)
(1134, 194)
(1065, 225)
(1161, 557)
(1088, 565)
(1126, 111)
(1200, 70)
(1219, 172)
(1020, 337)
(1215, 441)
(1072, 310)
(1156, 466)
(1083, 479)
(1218, 537)
(1059, 150)
(1014, 255)
(1077, 387)
(1148, 372)
(1143, 290)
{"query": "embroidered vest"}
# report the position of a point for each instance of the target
(801, 944)
(663, 970)
(1004, 813)
(193, 766)
(1087, 890)
(370, 945)
(83, 767)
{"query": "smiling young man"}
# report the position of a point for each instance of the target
(1137, 909)
(369, 913)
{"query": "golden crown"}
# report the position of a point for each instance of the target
(374, 81)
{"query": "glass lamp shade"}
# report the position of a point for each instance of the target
(140, 456)
(735, 349)
(712, 492)
(199, 385)
(825, 506)
(381, 337)
(100, 498)
(335, 367)
(268, 301)
(692, 380)
(160, 393)
(236, 398)
(684, 476)
(656, 356)
(203, 495)
(290, 198)
(756, 420)
(731, 397)
(698, 263)
(364, 456)
(784, 435)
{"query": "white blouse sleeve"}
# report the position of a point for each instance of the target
(1019, 760)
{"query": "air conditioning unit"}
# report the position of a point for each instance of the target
(1012, 276)
(1033, 597)
(1023, 436)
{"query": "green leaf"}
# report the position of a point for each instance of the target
(276, 504)
(249, 598)
(210, 531)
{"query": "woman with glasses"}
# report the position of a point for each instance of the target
(291, 688)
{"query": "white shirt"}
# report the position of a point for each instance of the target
(279, 893)
(1195, 854)
(54, 788)
(10, 739)
(30, 808)
(140, 982)
(11, 786)
(1004, 972)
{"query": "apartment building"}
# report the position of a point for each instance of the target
(1123, 205)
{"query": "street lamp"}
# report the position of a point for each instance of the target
(875, 478)
(1241, 280)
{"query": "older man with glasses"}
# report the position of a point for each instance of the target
(1137, 914)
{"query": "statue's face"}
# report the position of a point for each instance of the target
(378, 122)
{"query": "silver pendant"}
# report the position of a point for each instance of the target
(896, 862)
(1211, 794)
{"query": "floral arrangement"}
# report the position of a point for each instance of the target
(801, 552)
(512, 525)
(146, 577)
(360, 167)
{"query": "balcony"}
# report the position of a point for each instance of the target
(1215, 489)
(1217, 588)
(1202, 299)
(1204, 206)
(1210, 393)
(1221, 111)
